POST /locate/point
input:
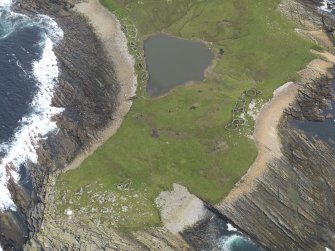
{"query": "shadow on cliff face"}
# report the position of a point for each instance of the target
(217, 234)
(291, 207)
(292, 204)
(319, 124)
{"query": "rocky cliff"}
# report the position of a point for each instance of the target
(291, 206)
(87, 90)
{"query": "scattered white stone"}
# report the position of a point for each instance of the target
(125, 209)
(179, 208)
(253, 111)
(69, 212)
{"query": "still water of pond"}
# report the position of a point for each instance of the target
(172, 61)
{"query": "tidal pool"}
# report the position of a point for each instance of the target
(324, 130)
(172, 61)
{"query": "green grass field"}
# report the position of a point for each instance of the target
(193, 148)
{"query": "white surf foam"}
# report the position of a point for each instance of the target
(324, 6)
(50, 27)
(5, 4)
(228, 242)
(38, 124)
(231, 228)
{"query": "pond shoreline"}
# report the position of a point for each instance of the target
(172, 62)
(109, 237)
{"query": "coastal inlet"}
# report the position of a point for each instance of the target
(172, 61)
(28, 75)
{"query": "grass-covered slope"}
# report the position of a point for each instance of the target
(163, 140)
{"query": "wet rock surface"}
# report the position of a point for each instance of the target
(291, 205)
(87, 90)
(312, 99)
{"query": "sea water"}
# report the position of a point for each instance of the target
(217, 234)
(323, 130)
(28, 76)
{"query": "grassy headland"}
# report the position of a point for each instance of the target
(162, 140)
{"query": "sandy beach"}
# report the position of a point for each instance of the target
(266, 127)
(266, 138)
(108, 30)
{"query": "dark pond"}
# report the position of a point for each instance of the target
(172, 61)
(324, 130)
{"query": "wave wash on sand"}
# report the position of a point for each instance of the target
(36, 125)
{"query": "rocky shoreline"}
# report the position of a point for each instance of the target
(88, 90)
(291, 202)
(287, 204)
(91, 89)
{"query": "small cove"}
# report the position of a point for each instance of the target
(172, 61)
(217, 234)
(324, 130)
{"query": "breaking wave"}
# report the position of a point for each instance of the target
(327, 6)
(36, 125)
(236, 242)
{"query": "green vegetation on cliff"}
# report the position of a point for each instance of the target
(123, 177)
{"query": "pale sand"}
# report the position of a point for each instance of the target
(180, 209)
(330, 58)
(318, 36)
(108, 30)
(266, 138)
(266, 127)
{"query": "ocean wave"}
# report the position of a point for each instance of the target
(231, 228)
(327, 6)
(5, 4)
(235, 242)
(35, 126)
(49, 26)
(10, 22)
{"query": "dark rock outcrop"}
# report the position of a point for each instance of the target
(291, 206)
(312, 99)
(87, 90)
